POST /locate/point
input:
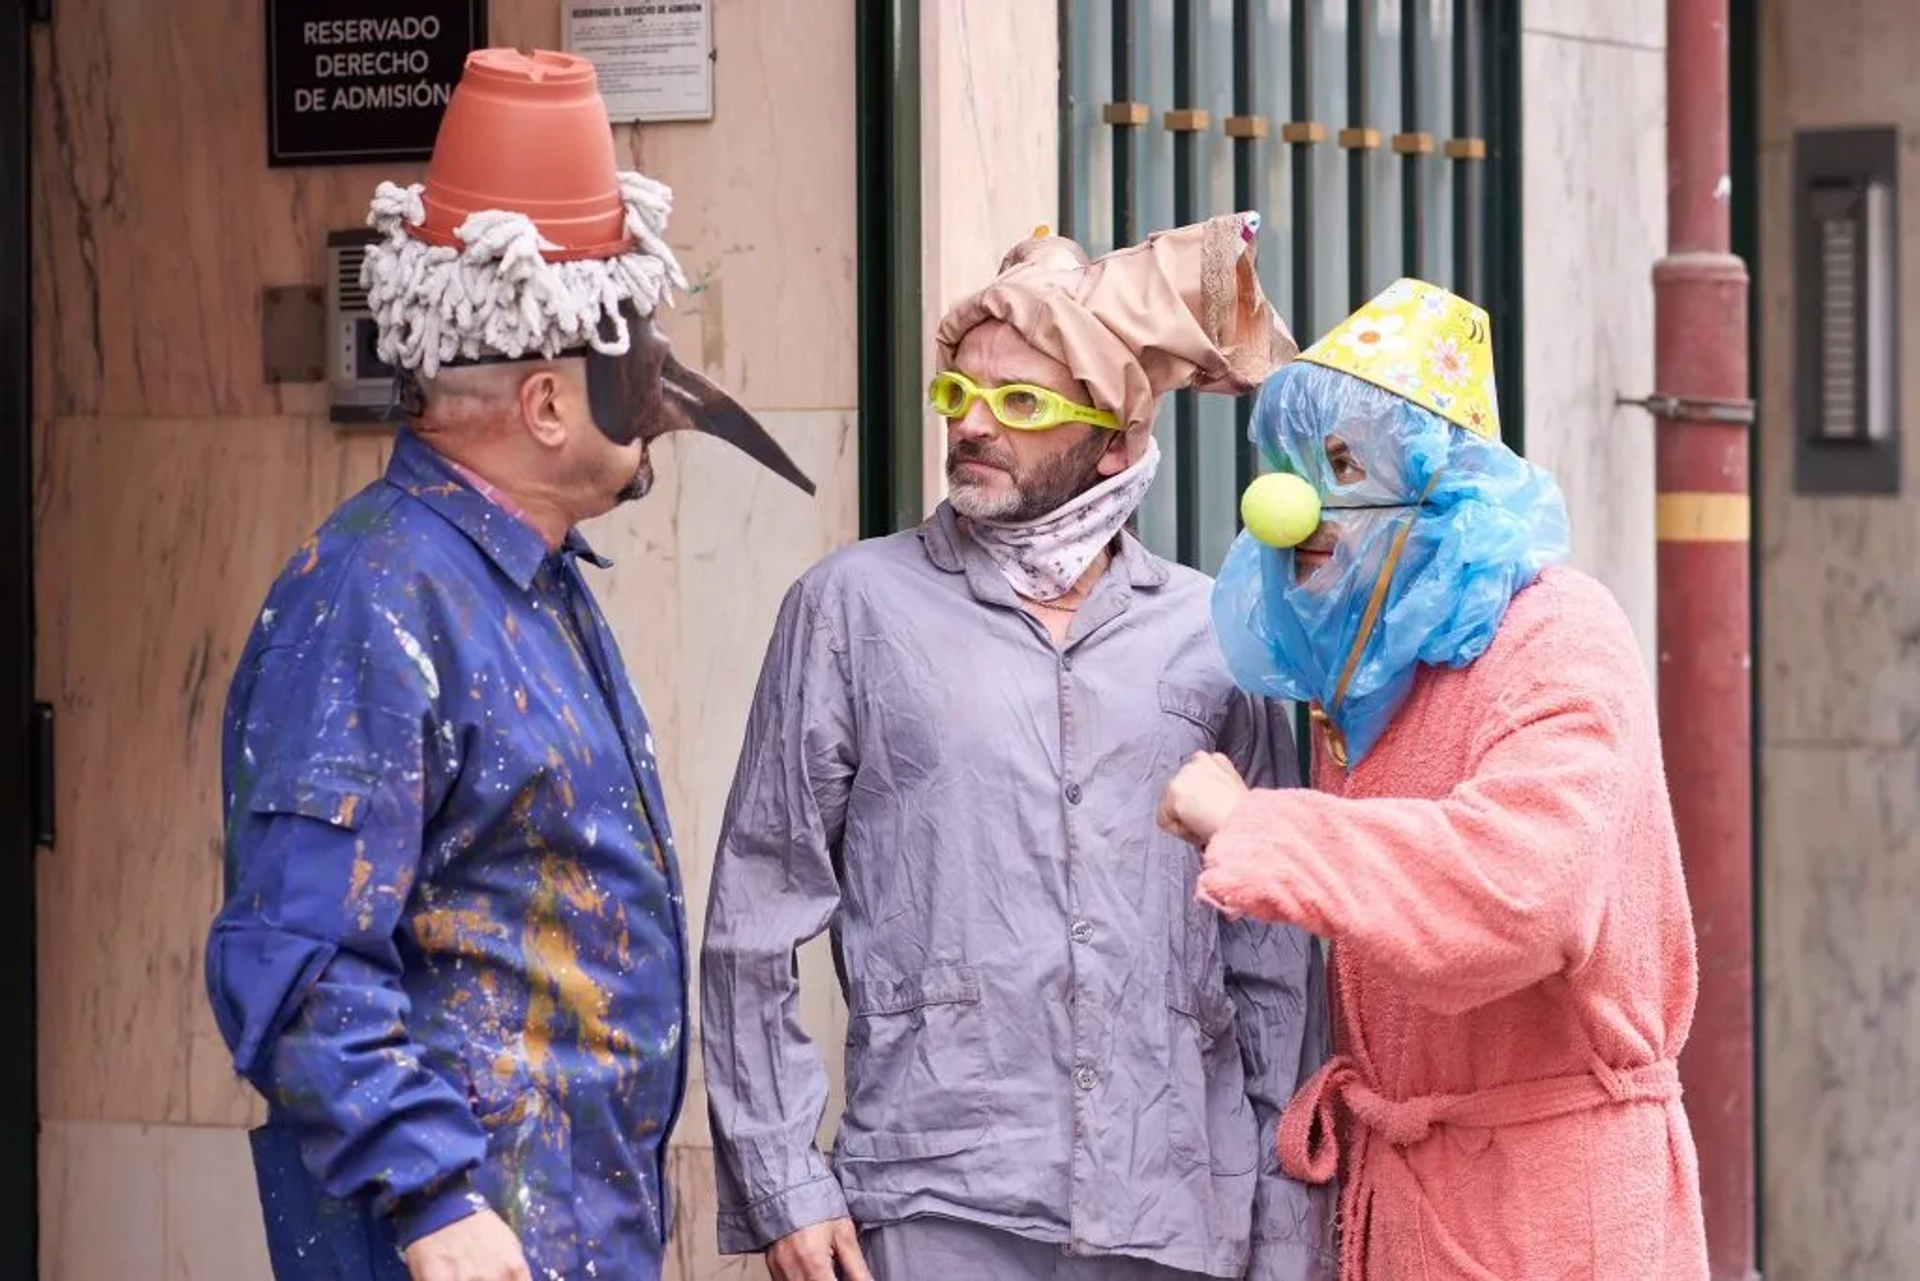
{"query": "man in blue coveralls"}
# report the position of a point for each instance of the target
(453, 952)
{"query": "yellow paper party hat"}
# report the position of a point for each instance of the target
(1424, 344)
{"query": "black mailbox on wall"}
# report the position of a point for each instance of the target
(1846, 304)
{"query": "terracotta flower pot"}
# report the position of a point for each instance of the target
(526, 130)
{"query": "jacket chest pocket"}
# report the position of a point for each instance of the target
(1191, 718)
(917, 1067)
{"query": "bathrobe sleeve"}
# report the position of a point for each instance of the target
(1487, 890)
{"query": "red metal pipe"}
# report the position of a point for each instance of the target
(1700, 470)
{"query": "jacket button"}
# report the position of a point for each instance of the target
(1073, 793)
(1084, 1078)
(1081, 931)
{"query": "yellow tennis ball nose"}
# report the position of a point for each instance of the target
(1280, 509)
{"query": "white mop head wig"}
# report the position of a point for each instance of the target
(498, 296)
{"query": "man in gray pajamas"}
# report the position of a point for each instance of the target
(1059, 1064)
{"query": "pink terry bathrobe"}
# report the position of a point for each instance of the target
(1514, 965)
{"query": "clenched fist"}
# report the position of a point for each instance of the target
(1200, 798)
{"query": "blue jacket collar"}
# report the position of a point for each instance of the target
(513, 545)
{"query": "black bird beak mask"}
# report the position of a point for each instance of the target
(647, 392)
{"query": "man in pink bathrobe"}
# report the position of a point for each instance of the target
(1489, 845)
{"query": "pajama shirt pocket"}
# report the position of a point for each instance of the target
(917, 1067)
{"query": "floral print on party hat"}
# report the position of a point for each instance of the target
(1422, 343)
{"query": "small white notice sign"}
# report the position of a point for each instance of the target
(654, 60)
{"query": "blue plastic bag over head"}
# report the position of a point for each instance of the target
(1480, 523)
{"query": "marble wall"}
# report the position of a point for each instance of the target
(172, 481)
(1840, 703)
(1593, 162)
(989, 153)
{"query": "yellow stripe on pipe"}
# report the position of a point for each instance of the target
(1703, 518)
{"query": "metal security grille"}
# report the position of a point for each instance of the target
(1376, 138)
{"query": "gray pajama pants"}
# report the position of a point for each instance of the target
(947, 1250)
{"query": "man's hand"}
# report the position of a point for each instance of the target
(480, 1247)
(812, 1253)
(1201, 796)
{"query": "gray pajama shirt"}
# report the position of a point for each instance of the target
(1048, 1036)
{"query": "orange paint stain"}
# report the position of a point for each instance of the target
(561, 993)
(566, 881)
(563, 780)
(357, 883)
(311, 550)
(520, 815)
(520, 701)
(505, 1065)
(456, 931)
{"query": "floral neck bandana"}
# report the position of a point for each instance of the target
(1044, 558)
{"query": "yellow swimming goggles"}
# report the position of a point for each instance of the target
(1021, 406)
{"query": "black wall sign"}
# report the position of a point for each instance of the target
(354, 81)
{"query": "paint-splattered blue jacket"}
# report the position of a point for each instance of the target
(452, 955)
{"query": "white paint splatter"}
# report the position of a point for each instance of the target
(1723, 190)
(419, 656)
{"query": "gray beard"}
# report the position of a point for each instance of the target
(1049, 487)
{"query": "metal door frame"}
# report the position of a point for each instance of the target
(19, 1095)
(886, 37)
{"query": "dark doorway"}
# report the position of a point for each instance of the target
(1743, 143)
(886, 36)
(19, 779)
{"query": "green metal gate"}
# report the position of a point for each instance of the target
(1376, 138)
